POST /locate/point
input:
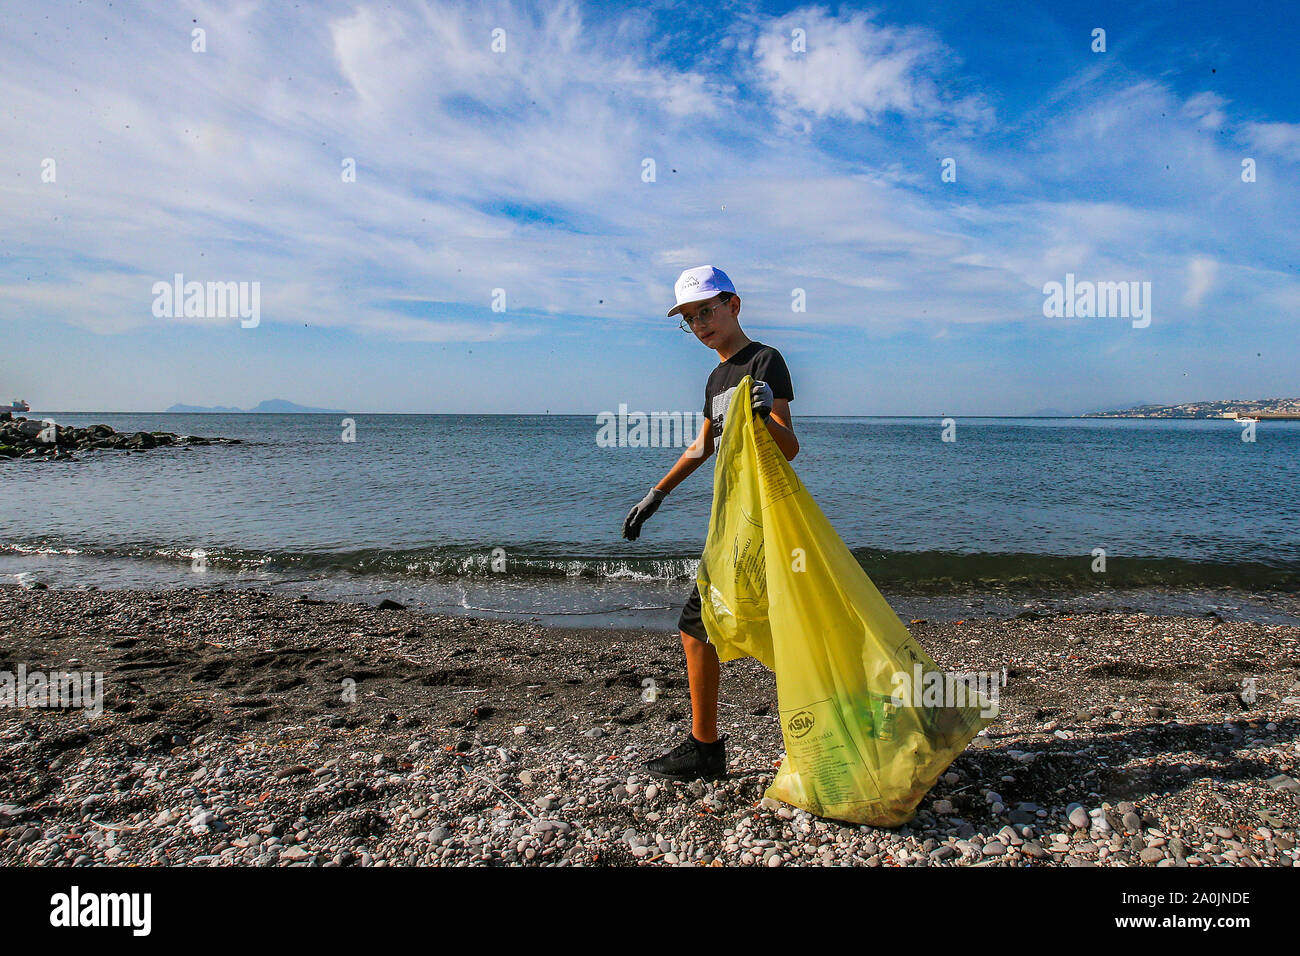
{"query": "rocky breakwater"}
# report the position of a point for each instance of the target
(36, 439)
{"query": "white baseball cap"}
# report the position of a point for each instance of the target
(698, 284)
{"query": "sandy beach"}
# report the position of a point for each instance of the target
(228, 738)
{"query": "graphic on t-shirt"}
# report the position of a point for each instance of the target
(721, 403)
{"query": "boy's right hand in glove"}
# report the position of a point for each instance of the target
(640, 511)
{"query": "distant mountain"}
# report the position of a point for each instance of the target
(201, 408)
(275, 406)
(280, 407)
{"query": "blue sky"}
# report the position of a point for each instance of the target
(521, 170)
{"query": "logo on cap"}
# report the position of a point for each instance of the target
(695, 285)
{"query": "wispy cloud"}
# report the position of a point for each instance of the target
(1280, 138)
(515, 161)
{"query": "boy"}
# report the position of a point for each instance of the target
(710, 308)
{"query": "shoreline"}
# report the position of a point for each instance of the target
(616, 602)
(225, 740)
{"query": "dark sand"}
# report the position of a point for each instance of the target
(226, 739)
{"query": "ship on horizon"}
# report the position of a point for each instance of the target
(17, 406)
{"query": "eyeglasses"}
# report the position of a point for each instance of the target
(705, 314)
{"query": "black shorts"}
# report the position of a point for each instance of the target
(690, 621)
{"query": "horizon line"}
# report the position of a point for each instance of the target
(1088, 415)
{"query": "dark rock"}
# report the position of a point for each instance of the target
(31, 439)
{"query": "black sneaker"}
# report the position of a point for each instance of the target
(690, 760)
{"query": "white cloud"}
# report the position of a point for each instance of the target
(226, 166)
(859, 70)
(1281, 138)
(374, 59)
(1201, 272)
(1206, 109)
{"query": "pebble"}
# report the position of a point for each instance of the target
(459, 796)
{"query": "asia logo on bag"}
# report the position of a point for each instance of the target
(800, 723)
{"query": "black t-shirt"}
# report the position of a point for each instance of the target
(761, 361)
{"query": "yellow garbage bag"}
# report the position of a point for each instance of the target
(869, 720)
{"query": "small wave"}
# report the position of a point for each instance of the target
(18, 548)
(933, 572)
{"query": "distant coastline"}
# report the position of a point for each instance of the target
(1275, 408)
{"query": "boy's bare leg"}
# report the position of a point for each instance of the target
(704, 674)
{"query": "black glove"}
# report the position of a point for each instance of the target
(640, 511)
